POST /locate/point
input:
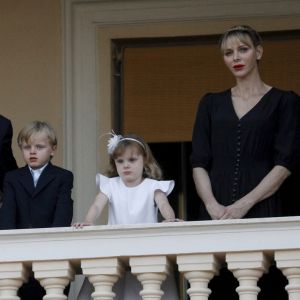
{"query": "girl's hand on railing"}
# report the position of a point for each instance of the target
(81, 225)
(173, 220)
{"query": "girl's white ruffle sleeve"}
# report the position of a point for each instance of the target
(165, 186)
(103, 184)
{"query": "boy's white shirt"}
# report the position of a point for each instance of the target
(36, 173)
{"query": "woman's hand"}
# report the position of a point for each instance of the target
(237, 210)
(266, 188)
(216, 210)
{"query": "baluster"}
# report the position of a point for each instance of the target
(198, 269)
(151, 271)
(54, 276)
(289, 263)
(247, 267)
(12, 276)
(103, 273)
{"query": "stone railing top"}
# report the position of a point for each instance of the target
(150, 239)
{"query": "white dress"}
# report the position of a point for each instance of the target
(132, 205)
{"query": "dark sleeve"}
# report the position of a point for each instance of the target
(201, 146)
(8, 210)
(64, 205)
(287, 141)
(7, 160)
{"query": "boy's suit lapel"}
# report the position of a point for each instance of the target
(47, 175)
(26, 180)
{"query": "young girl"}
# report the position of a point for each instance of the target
(134, 194)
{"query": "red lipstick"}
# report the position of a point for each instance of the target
(238, 67)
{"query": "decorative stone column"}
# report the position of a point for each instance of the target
(198, 269)
(12, 276)
(288, 261)
(54, 276)
(151, 271)
(103, 273)
(247, 267)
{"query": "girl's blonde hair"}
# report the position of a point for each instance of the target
(244, 33)
(151, 167)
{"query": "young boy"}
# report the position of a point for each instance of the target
(46, 203)
(39, 194)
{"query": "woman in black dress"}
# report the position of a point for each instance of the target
(245, 145)
(245, 139)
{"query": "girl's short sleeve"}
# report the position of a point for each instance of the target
(103, 184)
(165, 186)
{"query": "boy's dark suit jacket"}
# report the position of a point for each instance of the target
(49, 204)
(7, 160)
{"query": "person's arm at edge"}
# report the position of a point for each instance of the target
(8, 209)
(7, 161)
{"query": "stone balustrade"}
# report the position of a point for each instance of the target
(196, 249)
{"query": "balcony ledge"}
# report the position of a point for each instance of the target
(150, 251)
(218, 237)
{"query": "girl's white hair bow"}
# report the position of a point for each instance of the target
(116, 139)
(113, 142)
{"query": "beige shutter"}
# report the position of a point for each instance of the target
(163, 85)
